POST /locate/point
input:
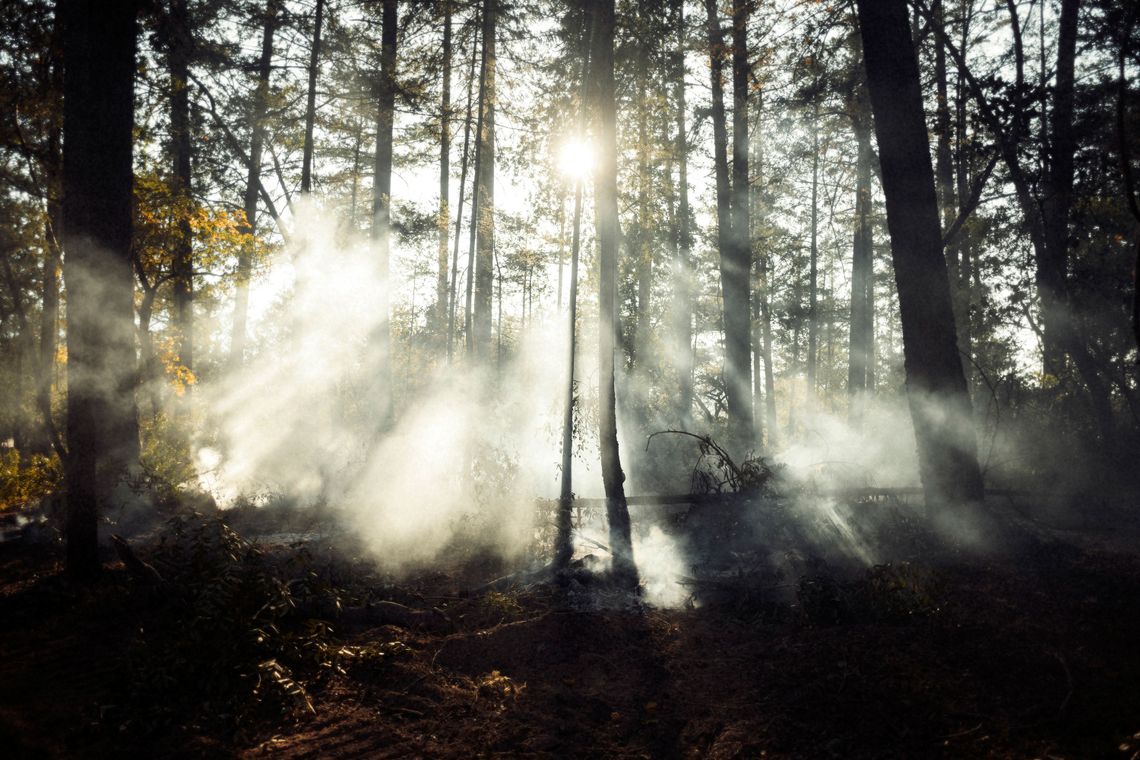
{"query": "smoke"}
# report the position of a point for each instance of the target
(465, 456)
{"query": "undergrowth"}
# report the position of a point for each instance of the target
(235, 635)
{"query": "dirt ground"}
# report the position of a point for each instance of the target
(1031, 656)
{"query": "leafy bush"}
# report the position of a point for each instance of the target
(228, 639)
(27, 481)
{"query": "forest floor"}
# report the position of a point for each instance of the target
(1034, 654)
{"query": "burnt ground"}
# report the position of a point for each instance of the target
(1035, 654)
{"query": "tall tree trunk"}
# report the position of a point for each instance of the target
(311, 103)
(733, 265)
(253, 181)
(682, 347)
(485, 178)
(862, 261)
(813, 258)
(444, 218)
(382, 201)
(936, 386)
(641, 239)
(763, 327)
(49, 294)
(452, 296)
(476, 195)
(102, 425)
(738, 287)
(563, 544)
(944, 175)
(606, 216)
(180, 43)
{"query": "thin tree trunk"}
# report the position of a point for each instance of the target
(311, 104)
(813, 258)
(476, 194)
(253, 182)
(944, 174)
(640, 241)
(862, 275)
(737, 288)
(563, 543)
(49, 303)
(682, 264)
(936, 386)
(444, 220)
(606, 216)
(183, 260)
(485, 178)
(382, 201)
(452, 296)
(102, 426)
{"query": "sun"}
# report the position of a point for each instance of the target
(576, 159)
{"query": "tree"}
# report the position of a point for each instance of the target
(731, 207)
(253, 187)
(102, 428)
(606, 219)
(382, 198)
(682, 343)
(484, 217)
(936, 386)
(311, 103)
(860, 374)
(179, 47)
(441, 289)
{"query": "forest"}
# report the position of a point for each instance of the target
(595, 378)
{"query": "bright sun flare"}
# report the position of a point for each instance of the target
(576, 159)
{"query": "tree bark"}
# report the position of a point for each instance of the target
(102, 426)
(936, 386)
(606, 219)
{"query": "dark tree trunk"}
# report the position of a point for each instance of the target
(1052, 262)
(862, 272)
(180, 43)
(641, 240)
(485, 179)
(253, 181)
(936, 386)
(311, 103)
(734, 257)
(606, 219)
(102, 426)
(444, 220)
(738, 287)
(382, 200)
(682, 264)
